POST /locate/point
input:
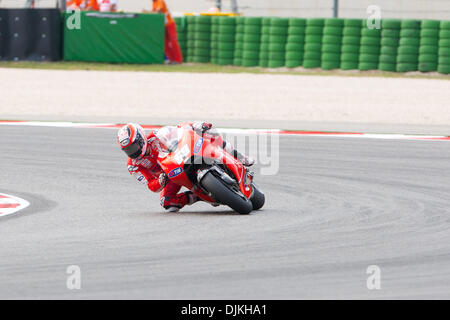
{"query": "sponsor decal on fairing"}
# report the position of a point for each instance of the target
(175, 172)
(198, 145)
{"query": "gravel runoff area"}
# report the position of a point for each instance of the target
(261, 100)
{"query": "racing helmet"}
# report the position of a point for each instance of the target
(132, 140)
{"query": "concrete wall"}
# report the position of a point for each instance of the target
(430, 9)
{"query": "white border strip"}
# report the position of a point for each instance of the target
(242, 131)
(55, 124)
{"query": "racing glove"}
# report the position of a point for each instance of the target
(201, 127)
(163, 179)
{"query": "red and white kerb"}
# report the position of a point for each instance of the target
(10, 204)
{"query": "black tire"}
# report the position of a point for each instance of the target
(224, 195)
(258, 198)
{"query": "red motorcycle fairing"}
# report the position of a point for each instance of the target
(182, 144)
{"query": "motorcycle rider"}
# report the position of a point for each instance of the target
(143, 150)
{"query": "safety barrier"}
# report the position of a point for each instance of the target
(347, 44)
(30, 34)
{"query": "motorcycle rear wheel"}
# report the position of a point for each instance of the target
(258, 198)
(221, 192)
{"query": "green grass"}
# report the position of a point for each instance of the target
(211, 68)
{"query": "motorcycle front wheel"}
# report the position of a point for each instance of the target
(225, 195)
(258, 199)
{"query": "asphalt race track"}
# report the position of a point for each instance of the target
(337, 206)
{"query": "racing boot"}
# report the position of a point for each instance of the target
(183, 199)
(192, 198)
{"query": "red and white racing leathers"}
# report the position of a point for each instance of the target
(147, 171)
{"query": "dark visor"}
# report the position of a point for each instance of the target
(133, 150)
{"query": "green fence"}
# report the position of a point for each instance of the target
(347, 44)
(114, 37)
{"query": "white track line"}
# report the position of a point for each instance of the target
(11, 204)
(241, 131)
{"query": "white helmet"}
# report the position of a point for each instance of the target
(132, 140)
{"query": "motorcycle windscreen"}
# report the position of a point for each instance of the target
(168, 138)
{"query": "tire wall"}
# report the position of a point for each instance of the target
(30, 35)
(346, 44)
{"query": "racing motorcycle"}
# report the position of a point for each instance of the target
(196, 161)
